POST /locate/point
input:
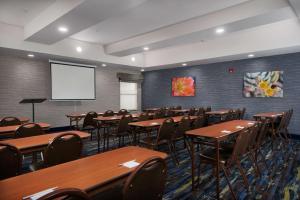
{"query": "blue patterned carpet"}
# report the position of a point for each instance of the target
(280, 181)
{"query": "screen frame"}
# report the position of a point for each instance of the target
(73, 65)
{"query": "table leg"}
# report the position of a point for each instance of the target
(193, 163)
(218, 169)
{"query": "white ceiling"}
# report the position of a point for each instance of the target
(123, 27)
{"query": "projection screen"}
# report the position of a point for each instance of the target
(72, 82)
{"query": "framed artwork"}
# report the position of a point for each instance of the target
(183, 86)
(263, 84)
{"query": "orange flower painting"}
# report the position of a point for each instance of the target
(183, 87)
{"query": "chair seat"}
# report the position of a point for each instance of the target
(209, 155)
(151, 140)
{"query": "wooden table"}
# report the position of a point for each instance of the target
(39, 142)
(218, 112)
(156, 122)
(9, 130)
(91, 174)
(152, 109)
(22, 119)
(215, 132)
(182, 111)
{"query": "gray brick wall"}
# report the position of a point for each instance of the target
(30, 78)
(215, 86)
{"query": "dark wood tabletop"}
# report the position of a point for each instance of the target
(12, 129)
(218, 112)
(87, 174)
(151, 109)
(268, 115)
(29, 144)
(181, 110)
(220, 130)
(156, 122)
(115, 117)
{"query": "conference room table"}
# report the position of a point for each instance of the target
(151, 109)
(216, 133)
(39, 142)
(181, 111)
(220, 112)
(92, 174)
(22, 119)
(10, 130)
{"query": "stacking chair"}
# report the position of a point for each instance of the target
(199, 122)
(242, 115)
(63, 148)
(159, 114)
(178, 108)
(208, 109)
(29, 130)
(65, 193)
(200, 111)
(228, 158)
(122, 130)
(139, 130)
(164, 136)
(89, 124)
(10, 121)
(123, 112)
(143, 117)
(192, 112)
(183, 126)
(108, 113)
(10, 161)
(169, 113)
(147, 181)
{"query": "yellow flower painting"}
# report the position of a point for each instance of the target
(263, 84)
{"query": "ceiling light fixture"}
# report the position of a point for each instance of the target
(79, 49)
(133, 59)
(63, 29)
(220, 30)
(184, 64)
(251, 55)
(142, 70)
(146, 48)
(30, 55)
(104, 65)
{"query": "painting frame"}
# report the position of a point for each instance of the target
(183, 86)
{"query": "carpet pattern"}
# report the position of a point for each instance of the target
(280, 180)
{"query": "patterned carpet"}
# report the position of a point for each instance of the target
(280, 181)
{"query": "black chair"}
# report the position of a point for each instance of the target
(10, 161)
(143, 117)
(183, 126)
(29, 130)
(108, 113)
(147, 181)
(10, 121)
(200, 111)
(89, 124)
(164, 136)
(122, 130)
(64, 148)
(208, 109)
(192, 112)
(66, 193)
(178, 108)
(123, 112)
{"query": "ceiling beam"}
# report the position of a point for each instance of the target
(296, 6)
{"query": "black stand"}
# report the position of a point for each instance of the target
(33, 101)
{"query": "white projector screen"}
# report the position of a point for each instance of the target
(72, 82)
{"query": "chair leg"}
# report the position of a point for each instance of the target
(98, 140)
(238, 164)
(171, 152)
(228, 181)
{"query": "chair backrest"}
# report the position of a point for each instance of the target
(169, 113)
(166, 130)
(199, 122)
(201, 111)
(123, 112)
(10, 121)
(147, 181)
(237, 114)
(29, 130)
(241, 144)
(254, 131)
(172, 107)
(178, 107)
(65, 193)
(108, 113)
(123, 123)
(243, 113)
(64, 148)
(89, 119)
(10, 161)
(143, 116)
(192, 112)
(183, 126)
(230, 115)
(159, 114)
(262, 133)
(208, 109)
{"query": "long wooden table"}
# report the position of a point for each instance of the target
(91, 174)
(216, 133)
(8, 130)
(39, 142)
(22, 119)
(156, 122)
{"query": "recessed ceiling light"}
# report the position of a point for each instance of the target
(251, 55)
(63, 29)
(220, 30)
(146, 48)
(104, 65)
(142, 70)
(30, 55)
(184, 64)
(133, 59)
(78, 49)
